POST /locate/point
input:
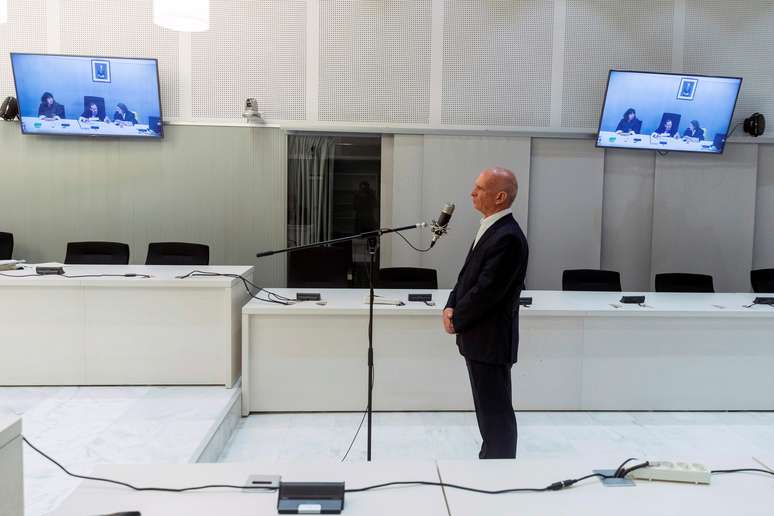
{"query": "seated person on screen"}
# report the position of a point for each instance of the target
(667, 128)
(123, 116)
(694, 133)
(92, 114)
(49, 108)
(629, 123)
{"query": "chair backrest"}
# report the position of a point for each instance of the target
(408, 278)
(99, 101)
(321, 267)
(682, 282)
(762, 280)
(177, 253)
(97, 253)
(6, 246)
(675, 117)
(591, 280)
(637, 126)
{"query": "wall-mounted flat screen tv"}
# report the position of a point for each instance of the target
(88, 95)
(667, 112)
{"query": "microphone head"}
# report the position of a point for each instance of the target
(446, 213)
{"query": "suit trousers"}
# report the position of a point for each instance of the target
(492, 397)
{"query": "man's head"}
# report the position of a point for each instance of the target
(495, 190)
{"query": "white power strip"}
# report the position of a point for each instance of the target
(673, 472)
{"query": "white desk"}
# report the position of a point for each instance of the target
(748, 494)
(11, 469)
(34, 124)
(122, 331)
(99, 498)
(577, 352)
(658, 143)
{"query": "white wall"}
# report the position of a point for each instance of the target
(510, 64)
(527, 67)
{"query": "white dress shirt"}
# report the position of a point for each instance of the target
(487, 223)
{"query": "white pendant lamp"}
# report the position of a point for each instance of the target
(182, 15)
(3, 11)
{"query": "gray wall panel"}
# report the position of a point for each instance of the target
(565, 204)
(224, 187)
(450, 165)
(704, 211)
(763, 257)
(407, 203)
(627, 216)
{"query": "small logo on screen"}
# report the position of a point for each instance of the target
(687, 88)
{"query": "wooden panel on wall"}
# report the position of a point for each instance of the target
(449, 166)
(763, 257)
(627, 216)
(704, 214)
(222, 186)
(565, 204)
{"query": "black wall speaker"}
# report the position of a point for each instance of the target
(9, 109)
(755, 125)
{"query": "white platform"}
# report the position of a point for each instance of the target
(11, 467)
(578, 351)
(121, 331)
(84, 426)
(96, 498)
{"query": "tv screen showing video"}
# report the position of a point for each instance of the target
(88, 96)
(667, 112)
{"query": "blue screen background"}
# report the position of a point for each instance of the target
(133, 82)
(652, 95)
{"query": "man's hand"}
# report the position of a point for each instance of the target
(447, 321)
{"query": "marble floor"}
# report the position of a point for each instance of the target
(83, 426)
(601, 437)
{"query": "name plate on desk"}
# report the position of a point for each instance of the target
(421, 298)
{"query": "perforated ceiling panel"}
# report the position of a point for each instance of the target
(24, 32)
(123, 28)
(375, 61)
(734, 37)
(497, 62)
(604, 34)
(254, 48)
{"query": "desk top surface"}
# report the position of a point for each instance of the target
(103, 276)
(727, 494)
(544, 303)
(99, 498)
(742, 493)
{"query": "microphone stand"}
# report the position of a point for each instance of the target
(373, 239)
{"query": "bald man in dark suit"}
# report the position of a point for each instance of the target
(483, 310)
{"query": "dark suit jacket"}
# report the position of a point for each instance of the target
(486, 296)
(51, 111)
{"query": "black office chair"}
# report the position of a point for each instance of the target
(762, 280)
(680, 282)
(408, 278)
(177, 253)
(97, 253)
(675, 117)
(99, 101)
(6, 246)
(591, 280)
(321, 267)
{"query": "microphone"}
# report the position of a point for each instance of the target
(439, 226)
